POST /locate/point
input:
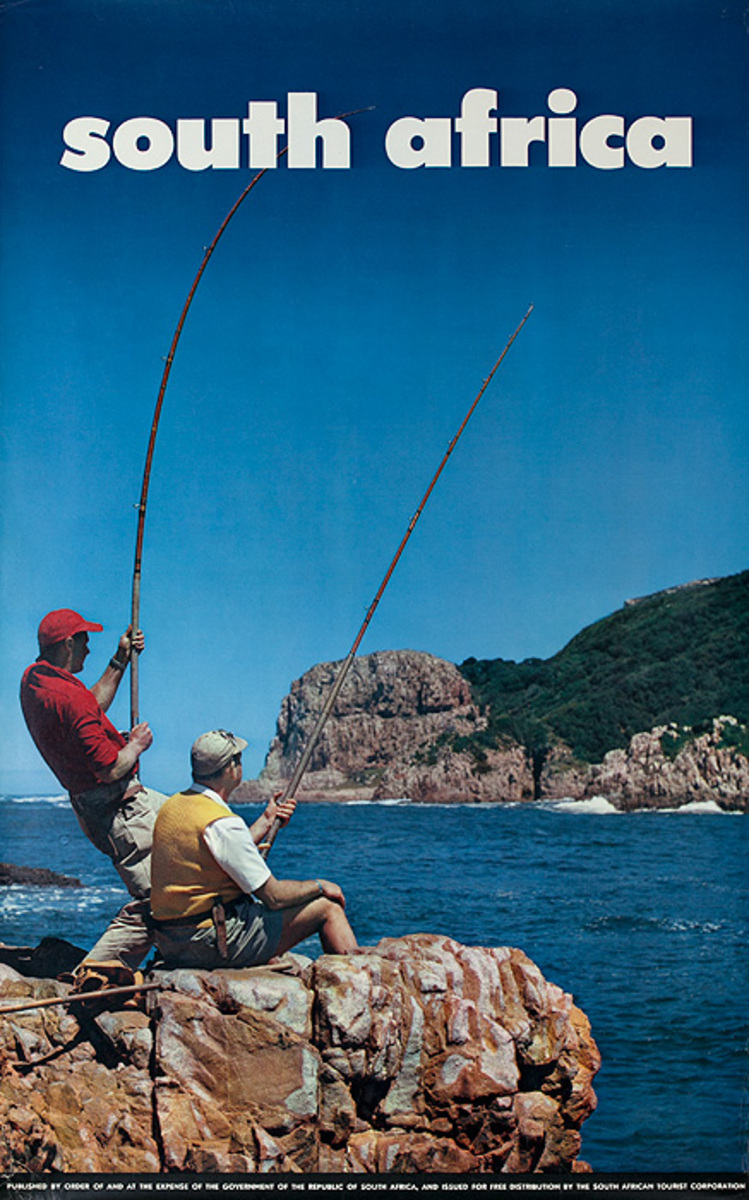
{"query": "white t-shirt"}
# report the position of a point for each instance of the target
(230, 842)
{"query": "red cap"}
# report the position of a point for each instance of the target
(62, 623)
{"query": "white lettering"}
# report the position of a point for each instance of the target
(191, 148)
(305, 129)
(87, 150)
(674, 132)
(594, 142)
(474, 126)
(604, 142)
(158, 148)
(433, 134)
(263, 127)
(562, 129)
(517, 135)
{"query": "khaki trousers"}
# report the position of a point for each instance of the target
(118, 818)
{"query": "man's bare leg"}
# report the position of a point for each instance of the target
(318, 916)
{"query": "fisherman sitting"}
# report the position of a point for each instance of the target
(96, 765)
(214, 900)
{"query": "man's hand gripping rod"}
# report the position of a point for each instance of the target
(303, 763)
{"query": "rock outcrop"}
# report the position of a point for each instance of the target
(420, 1055)
(392, 733)
(35, 877)
(400, 728)
(665, 768)
(53, 956)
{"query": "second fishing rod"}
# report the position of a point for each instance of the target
(304, 760)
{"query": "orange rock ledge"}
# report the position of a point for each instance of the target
(417, 1055)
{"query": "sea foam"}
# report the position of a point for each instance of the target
(63, 799)
(598, 805)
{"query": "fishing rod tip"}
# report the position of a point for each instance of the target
(354, 112)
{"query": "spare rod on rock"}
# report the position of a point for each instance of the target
(80, 997)
(303, 763)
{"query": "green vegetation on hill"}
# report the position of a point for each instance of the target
(679, 656)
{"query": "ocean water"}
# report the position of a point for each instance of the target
(641, 916)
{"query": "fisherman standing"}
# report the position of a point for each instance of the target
(214, 900)
(97, 766)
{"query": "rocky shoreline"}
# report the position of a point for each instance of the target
(417, 1055)
(35, 877)
(399, 728)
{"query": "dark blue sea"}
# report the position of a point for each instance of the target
(641, 916)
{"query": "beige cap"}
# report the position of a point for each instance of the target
(212, 751)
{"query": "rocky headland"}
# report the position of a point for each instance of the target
(405, 725)
(418, 1055)
(390, 735)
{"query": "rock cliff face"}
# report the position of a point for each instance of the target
(664, 768)
(396, 731)
(389, 735)
(420, 1055)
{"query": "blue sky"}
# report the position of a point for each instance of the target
(340, 333)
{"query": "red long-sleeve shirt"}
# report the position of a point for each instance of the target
(71, 731)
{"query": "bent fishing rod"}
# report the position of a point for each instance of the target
(141, 505)
(301, 767)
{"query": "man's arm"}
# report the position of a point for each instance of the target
(105, 688)
(140, 739)
(230, 842)
(286, 893)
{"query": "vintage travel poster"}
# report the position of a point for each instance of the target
(432, 182)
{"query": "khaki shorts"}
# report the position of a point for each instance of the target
(252, 936)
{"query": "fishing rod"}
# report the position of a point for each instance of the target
(303, 763)
(80, 997)
(141, 505)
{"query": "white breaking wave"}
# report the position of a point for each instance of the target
(36, 799)
(20, 901)
(696, 806)
(598, 805)
(372, 803)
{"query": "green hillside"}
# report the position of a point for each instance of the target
(678, 656)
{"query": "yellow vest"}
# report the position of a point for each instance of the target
(185, 877)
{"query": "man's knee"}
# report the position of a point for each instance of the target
(316, 913)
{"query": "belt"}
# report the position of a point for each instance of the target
(204, 917)
(116, 793)
(195, 919)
